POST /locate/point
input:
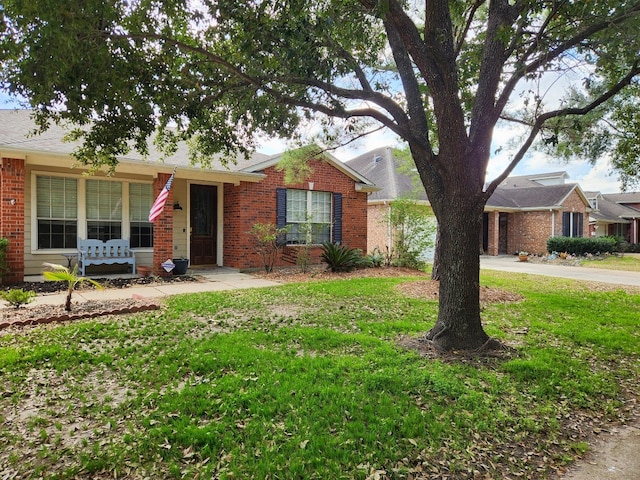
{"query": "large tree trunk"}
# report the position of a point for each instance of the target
(459, 326)
(435, 270)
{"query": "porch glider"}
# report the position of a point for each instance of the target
(97, 252)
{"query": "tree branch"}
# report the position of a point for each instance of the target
(547, 56)
(540, 120)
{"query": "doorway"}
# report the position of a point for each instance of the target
(203, 216)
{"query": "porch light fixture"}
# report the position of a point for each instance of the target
(177, 206)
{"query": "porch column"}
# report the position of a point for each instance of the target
(493, 241)
(12, 183)
(162, 227)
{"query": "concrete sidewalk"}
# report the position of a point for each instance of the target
(215, 280)
(510, 263)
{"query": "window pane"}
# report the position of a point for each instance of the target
(56, 210)
(104, 200)
(141, 234)
(104, 230)
(140, 201)
(296, 206)
(308, 217)
(321, 207)
(57, 234)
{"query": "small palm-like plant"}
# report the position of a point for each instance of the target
(340, 258)
(60, 273)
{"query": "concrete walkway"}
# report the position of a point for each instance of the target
(216, 280)
(510, 263)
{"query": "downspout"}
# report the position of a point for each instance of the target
(553, 222)
(389, 247)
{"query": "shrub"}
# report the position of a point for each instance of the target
(340, 258)
(267, 240)
(18, 297)
(582, 246)
(413, 230)
(376, 258)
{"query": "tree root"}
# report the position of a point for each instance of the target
(492, 348)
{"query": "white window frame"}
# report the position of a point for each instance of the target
(81, 211)
(309, 208)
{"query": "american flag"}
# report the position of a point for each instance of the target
(158, 205)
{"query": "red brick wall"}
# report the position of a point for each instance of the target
(162, 227)
(250, 203)
(529, 231)
(12, 183)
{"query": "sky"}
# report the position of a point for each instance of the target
(598, 177)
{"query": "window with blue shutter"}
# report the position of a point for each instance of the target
(307, 213)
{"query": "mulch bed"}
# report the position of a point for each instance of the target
(45, 314)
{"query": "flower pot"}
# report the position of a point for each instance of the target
(182, 264)
(143, 271)
(523, 258)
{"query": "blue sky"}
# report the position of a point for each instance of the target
(597, 177)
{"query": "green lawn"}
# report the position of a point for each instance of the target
(309, 381)
(628, 262)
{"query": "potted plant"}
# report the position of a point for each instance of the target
(181, 266)
(523, 256)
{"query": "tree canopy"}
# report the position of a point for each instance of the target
(440, 74)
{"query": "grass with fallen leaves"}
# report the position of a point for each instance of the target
(629, 262)
(312, 381)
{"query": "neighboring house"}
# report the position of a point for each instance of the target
(521, 215)
(383, 169)
(525, 211)
(615, 214)
(47, 203)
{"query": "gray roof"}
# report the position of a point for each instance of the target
(540, 196)
(629, 197)
(17, 126)
(381, 168)
(610, 212)
(535, 180)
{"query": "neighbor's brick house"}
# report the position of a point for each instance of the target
(47, 203)
(525, 211)
(521, 215)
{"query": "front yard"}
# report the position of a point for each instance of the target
(319, 380)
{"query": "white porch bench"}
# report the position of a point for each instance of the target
(97, 252)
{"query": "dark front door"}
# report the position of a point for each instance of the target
(203, 207)
(503, 234)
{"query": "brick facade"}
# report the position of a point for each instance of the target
(250, 203)
(529, 231)
(378, 227)
(162, 227)
(12, 215)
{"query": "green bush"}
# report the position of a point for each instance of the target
(18, 297)
(583, 246)
(340, 258)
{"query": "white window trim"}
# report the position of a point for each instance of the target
(81, 209)
(309, 207)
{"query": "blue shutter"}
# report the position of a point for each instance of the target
(281, 213)
(337, 218)
(566, 224)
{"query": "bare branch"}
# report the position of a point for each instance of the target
(547, 56)
(540, 120)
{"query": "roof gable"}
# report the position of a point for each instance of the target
(539, 197)
(382, 168)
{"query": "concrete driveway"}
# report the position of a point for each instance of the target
(510, 263)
